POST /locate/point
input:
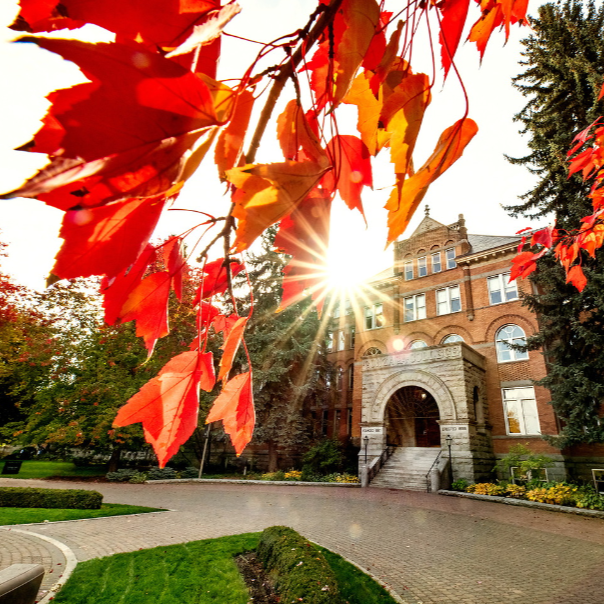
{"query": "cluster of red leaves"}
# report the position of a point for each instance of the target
(122, 145)
(589, 237)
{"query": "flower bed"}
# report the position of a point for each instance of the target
(556, 493)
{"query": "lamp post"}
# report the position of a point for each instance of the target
(366, 443)
(449, 441)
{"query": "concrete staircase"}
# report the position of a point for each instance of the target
(406, 469)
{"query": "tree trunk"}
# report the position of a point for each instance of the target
(114, 460)
(273, 458)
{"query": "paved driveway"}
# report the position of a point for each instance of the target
(427, 548)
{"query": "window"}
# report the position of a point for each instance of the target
(340, 379)
(350, 377)
(510, 334)
(408, 271)
(349, 421)
(500, 290)
(422, 266)
(371, 352)
(415, 307)
(448, 300)
(329, 341)
(337, 420)
(341, 339)
(451, 338)
(324, 422)
(351, 336)
(436, 265)
(451, 258)
(374, 316)
(520, 410)
(417, 344)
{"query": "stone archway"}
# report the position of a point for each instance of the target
(411, 419)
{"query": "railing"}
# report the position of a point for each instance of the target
(428, 475)
(376, 464)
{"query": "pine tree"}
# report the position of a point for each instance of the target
(287, 353)
(564, 59)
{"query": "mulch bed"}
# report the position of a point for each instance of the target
(256, 579)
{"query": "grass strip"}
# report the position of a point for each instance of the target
(199, 572)
(46, 469)
(355, 586)
(27, 515)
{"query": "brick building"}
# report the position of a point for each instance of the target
(423, 363)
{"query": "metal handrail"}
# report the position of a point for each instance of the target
(428, 481)
(378, 462)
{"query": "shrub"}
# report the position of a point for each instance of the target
(298, 569)
(161, 474)
(122, 475)
(559, 494)
(528, 463)
(486, 488)
(76, 499)
(278, 475)
(515, 490)
(293, 475)
(323, 458)
(347, 478)
(138, 478)
(587, 498)
(461, 484)
(190, 472)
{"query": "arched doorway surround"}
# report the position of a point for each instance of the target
(411, 419)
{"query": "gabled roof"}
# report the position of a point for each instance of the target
(427, 224)
(481, 243)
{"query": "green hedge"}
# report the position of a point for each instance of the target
(298, 569)
(76, 499)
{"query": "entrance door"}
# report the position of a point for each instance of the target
(411, 418)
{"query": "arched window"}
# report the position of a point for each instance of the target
(507, 335)
(452, 338)
(340, 380)
(417, 344)
(371, 352)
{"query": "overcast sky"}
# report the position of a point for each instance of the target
(477, 185)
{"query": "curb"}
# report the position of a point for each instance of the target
(9, 526)
(527, 504)
(289, 483)
(70, 562)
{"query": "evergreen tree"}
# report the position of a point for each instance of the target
(564, 59)
(287, 353)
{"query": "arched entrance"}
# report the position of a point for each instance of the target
(411, 418)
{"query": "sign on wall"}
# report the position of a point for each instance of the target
(457, 429)
(372, 431)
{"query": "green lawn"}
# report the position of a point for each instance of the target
(46, 469)
(200, 572)
(26, 515)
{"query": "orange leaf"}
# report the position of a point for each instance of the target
(128, 133)
(524, 264)
(576, 276)
(235, 407)
(294, 133)
(176, 264)
(448, 150)
(168, 404)
(268, 192)
(105, 240)
(352, 169)
(215, 280)
(369, 109)
(361, 18)
(402, 115)
(454, 14)
(231, 346)
(147, 304)
(230, 142)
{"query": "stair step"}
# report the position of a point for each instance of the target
(406, 469)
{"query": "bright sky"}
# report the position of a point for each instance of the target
(476, 185)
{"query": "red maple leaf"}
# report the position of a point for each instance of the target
(167, 405)
(216, 279)
(235, 407)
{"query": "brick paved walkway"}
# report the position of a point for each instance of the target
(427, 548)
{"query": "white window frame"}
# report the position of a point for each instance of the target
(422, 266)
(499, 284)
(437, 266)
(408, 270)
(330, 341)
(515, 355)
(448, 301)
(450, 257)
(341, 340)
(371, 313)
(522, 401)
(351, 336)
(451, 335)
(417, 345)
(418, 308)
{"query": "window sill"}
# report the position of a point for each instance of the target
(512, 361)
(504, 302)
